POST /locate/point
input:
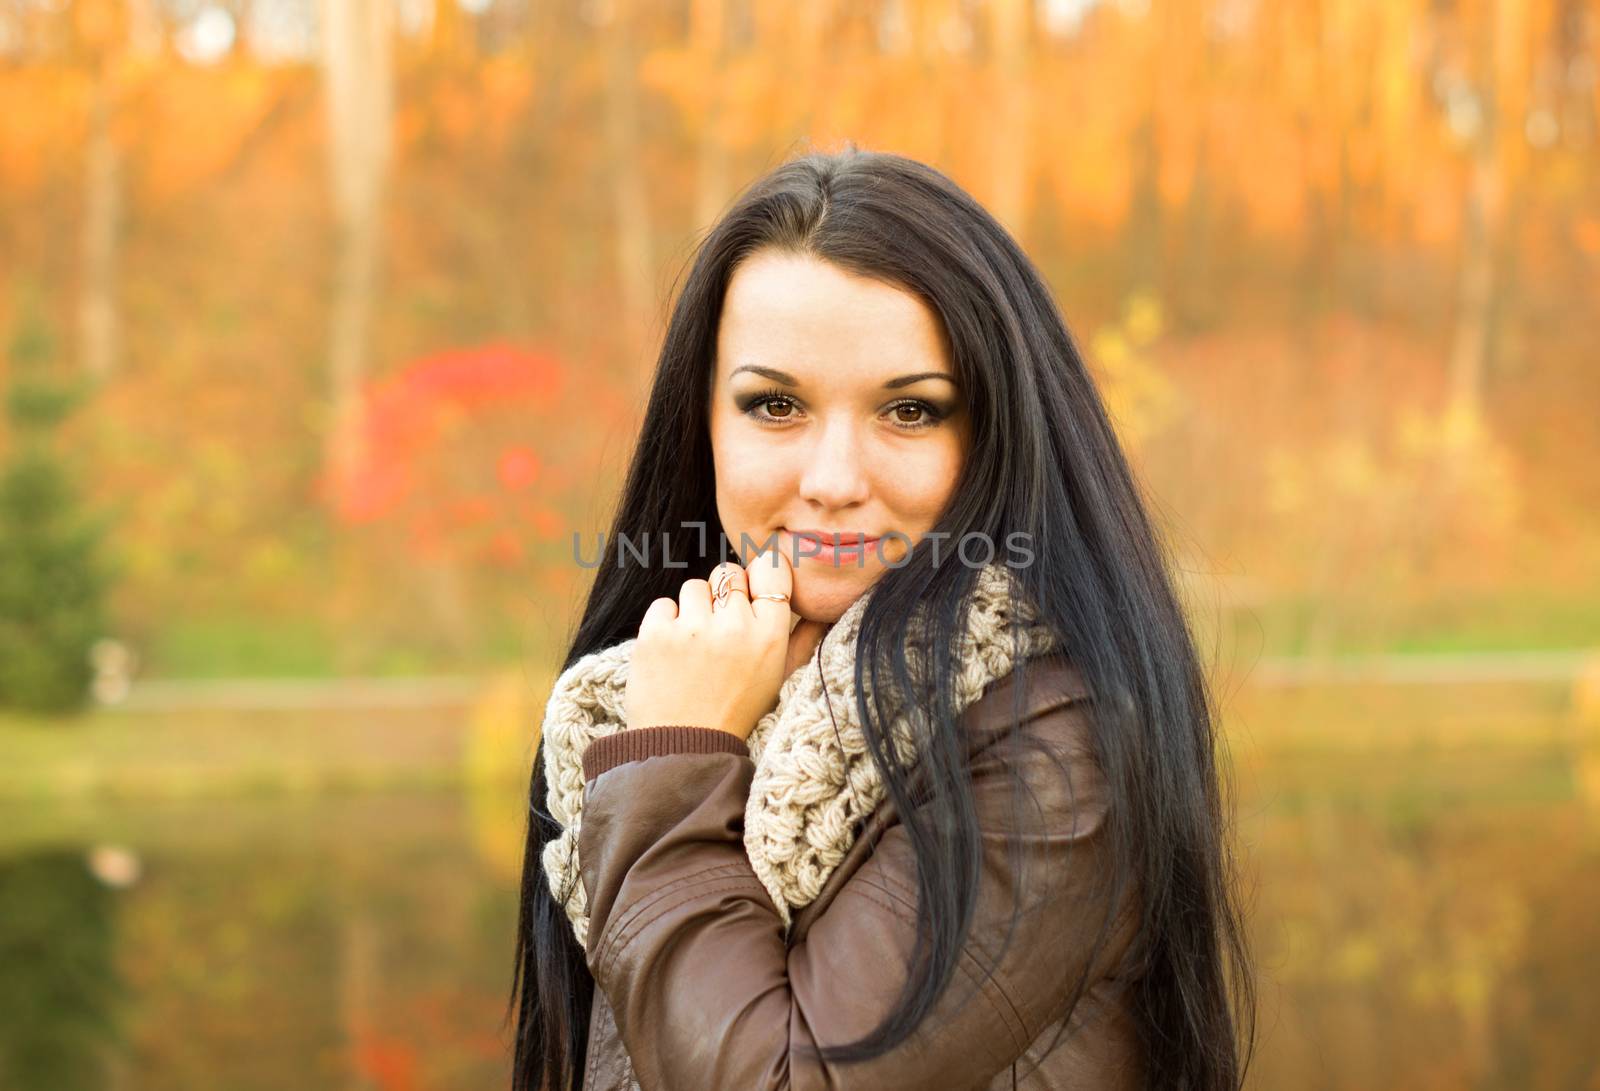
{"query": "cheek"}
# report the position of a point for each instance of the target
(923, 482)
(750, 481)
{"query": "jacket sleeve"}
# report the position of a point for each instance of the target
(691, 954)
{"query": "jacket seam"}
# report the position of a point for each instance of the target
(904, 893)
(701, 877)
(652, 897)
(989, 740)
(1015, 1023)
(625, 939)
(620, 945)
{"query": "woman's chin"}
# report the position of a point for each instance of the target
(824, 594)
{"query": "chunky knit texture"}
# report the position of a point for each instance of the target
(811, 785)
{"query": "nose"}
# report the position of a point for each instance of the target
(835, 474)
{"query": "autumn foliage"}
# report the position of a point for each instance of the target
(1334, 266)
(448, 456)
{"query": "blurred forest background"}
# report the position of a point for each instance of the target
(325, 324)
(367, 304)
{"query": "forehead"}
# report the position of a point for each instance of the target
(806, 315)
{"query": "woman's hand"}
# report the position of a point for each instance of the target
(719, 665)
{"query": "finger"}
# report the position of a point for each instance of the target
(658, 613)
(770, 573)
(730, 592)
(694, 601)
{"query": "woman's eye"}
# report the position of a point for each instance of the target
(769, 407)
(913, 415)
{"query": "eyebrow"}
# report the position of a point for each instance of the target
(893, 384)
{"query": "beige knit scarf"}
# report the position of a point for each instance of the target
(811, 783)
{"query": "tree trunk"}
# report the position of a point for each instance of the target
(627, 186)
(102, 214)
(359, 978)
(1011, 135)
(708, 31)
(357, 69)
(1469, 353)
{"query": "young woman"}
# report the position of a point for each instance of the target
(923, 795)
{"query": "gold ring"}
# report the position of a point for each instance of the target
(774, 598)
(724, 586)
(722, 599)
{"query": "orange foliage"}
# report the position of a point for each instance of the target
(1266, 178)
(34, 140)
(199, 120)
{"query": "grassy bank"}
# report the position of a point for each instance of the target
(119, 754)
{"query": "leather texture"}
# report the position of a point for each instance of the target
(697, 986)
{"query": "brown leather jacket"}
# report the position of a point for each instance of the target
(698, 988)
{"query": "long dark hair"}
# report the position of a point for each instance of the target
(1044, 462)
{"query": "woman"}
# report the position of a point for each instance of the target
(924, 794)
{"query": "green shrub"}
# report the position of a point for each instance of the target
(53, 585)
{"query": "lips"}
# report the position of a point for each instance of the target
(836, 538)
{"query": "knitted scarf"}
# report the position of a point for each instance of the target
(814, 777)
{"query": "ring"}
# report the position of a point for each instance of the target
(774, 598)
(724, 586)
(722, 597)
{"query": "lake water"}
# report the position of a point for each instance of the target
(1425, 879)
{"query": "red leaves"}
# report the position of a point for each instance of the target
(445, 454)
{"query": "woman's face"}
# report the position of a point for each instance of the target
(834, 409)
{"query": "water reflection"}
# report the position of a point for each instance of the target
(1426, 865)
(1425, 876)
(335, 942)
(59, 983)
